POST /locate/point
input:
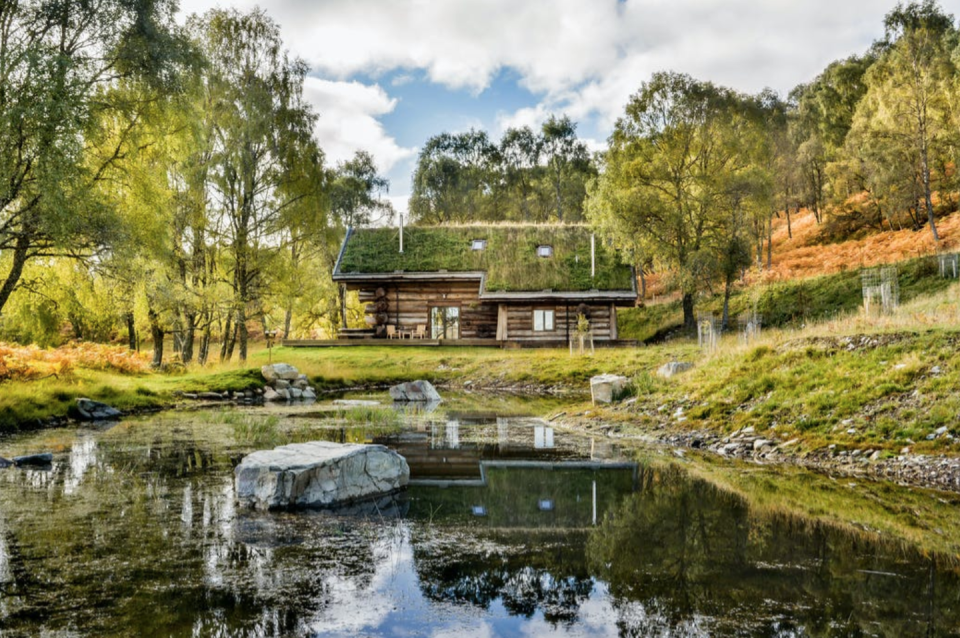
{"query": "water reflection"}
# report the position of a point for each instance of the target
(134, 532)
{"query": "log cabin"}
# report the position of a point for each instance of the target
(517, 284)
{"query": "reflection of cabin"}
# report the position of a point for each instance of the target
(520, 284)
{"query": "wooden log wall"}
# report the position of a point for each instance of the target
(520, 322)
(410, 305)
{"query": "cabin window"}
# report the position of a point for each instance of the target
(479, 244)
(544, 251)
(543, 320)
(445, 322)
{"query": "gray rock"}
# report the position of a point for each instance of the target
(90, 410)
(279, 371)
(606, 388)
(190, 395)
(318, 474)
(295, 393)
(269, 394)
(759, 444)
(309, 394)
(5, 463)
(415, 391)
(211, 396)
(283, 395)
(301, 384)
(33, 459)
(673, 368)
(281, 384)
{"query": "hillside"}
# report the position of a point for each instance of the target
(810, 279)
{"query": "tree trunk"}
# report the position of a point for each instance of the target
(242, 332)
(189, 335)
(287, 321)
(16, 270)
(689, 321)
(789, 227)
(928, 200)
(131, 331)
(204, 352)
(157, 334)
(232, 341)
(770, 243)
(643, 283)
(225, 345)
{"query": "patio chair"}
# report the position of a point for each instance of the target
(392, 332)
(421, 332)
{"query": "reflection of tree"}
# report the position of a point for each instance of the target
(545, 573)
(685, 551)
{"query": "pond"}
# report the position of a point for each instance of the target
(509, 528)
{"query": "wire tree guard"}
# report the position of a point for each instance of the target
(708, 332)
(881, 290)
(750, 326)
(949, 265)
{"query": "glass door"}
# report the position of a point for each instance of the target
(445, 322)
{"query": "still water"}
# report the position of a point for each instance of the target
(509, 528)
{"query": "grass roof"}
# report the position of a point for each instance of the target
(509, 259)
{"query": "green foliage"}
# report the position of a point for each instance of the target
(685, 172)
(537, 177)
(509, 259)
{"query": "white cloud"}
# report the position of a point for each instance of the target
(583, 58)
(348, 121)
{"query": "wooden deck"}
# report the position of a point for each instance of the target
(447, 343)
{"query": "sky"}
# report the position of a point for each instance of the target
(386, 75)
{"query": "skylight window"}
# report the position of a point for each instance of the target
(479, 244)
(544, 251)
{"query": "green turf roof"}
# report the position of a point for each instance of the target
(510, 259)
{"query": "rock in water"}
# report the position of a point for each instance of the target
(90, 410)
(607, 388)
(5, 463)
(318, 474)
(33, 459)
(673, 368)
(419, 391)
(276, 371)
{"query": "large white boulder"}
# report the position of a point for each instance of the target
(276, 371)
(606, 388)
(417, 391)
(318, 474)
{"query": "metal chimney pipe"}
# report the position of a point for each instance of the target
(593, 256)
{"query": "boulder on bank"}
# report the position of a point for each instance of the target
(415, 391)
(607, 388)
(673, 368)
(318, 474)
(89, 410)
(276, 371)
(284, 382)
